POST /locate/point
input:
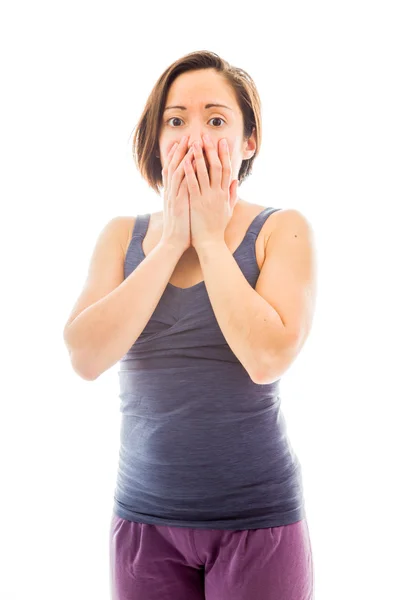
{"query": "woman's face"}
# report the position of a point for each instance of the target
(193, 90)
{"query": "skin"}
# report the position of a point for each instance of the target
(194, 89)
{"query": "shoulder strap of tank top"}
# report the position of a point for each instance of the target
(142, 222)
(141, 225)
(258, 222)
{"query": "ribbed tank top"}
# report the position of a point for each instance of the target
(201, 444)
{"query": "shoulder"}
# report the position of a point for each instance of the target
(121, 227)
(126, 226)
(282, 221)
(293, 235)
(291, 220)
(276, 221)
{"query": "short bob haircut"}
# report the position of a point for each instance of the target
(146, 132)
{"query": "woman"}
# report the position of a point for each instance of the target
(205, 305)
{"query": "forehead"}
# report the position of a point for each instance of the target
(194, 89)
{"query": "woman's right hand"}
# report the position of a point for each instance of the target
(176, 219)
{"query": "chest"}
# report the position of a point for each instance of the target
(187, 271)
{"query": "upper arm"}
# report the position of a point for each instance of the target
(106, 267)
(287, 279)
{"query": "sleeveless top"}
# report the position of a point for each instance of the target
(201, 444)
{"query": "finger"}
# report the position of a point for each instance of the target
(177, 155)
(201, 168)
(184, 186)
(214, 161)
(191, 178)
(164, 170)
(226, 165)
(182, 172)
(174, 156)
(177, 177)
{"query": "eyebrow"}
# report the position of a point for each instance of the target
(206, 107)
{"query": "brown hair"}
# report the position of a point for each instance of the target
(145, 140)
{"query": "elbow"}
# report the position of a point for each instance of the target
(269, 371)
(274, 367)
(82, 369)
(259, 375)
(263, 378)
(85, 376)
(78, 362)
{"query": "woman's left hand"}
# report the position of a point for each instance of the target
(212, 198)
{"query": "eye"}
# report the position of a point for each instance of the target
(179, 119)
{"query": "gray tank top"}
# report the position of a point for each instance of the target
(201, 444)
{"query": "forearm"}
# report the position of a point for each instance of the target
(252, 327)
(103, 333)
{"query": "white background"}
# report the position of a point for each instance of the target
(75, 77)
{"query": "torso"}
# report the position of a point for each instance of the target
(187, 272)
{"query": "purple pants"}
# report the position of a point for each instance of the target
(159, 562)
